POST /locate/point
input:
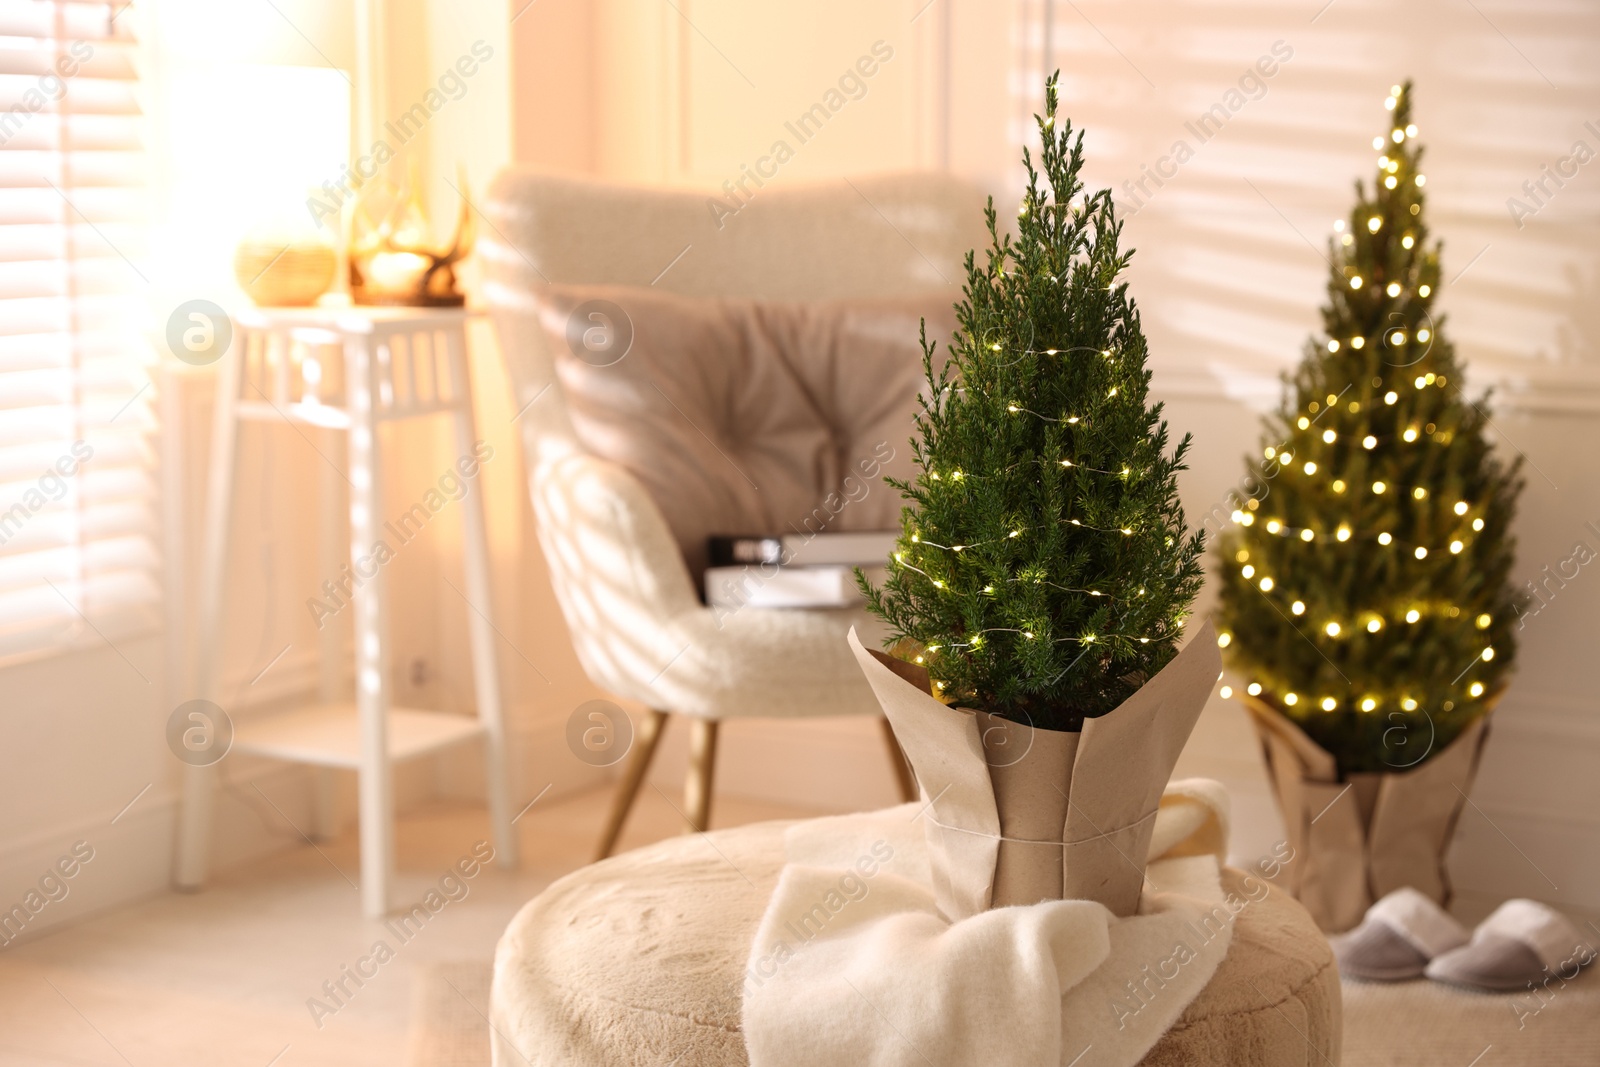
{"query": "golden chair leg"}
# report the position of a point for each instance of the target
(897, 759)
(644, 748)
(697, 785)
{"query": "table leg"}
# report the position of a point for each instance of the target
(194, 812)
(480, 612)
(367, 559)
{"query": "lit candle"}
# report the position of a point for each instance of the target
(396, 272)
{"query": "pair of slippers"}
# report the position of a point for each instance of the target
(1406, 935)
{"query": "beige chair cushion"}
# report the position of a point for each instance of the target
(745, 416)
(639, 960)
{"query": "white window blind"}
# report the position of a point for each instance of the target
(1230, 134)
(78, 516)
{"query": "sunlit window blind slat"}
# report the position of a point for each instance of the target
(1230, 134)
(78, 536)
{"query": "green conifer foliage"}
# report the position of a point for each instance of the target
(1366, 591)
(1044, 569)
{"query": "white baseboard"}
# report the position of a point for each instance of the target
(539, 760)
(833, 764)
(1506, 847)
(133, 856)
(1541, 849)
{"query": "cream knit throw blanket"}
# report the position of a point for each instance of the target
(853, 963)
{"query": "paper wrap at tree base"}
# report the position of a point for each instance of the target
(1357, 838)
(1016, 815)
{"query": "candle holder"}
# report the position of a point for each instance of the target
(391, 260)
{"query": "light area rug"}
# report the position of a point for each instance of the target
(1409, 1024)
(1405, 1024)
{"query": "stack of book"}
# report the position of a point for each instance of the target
(794, 570)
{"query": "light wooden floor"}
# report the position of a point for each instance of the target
(222, 978)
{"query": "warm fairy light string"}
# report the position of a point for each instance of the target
(958, 476)
(1086, 639)
(976, 640)
(1370, 621)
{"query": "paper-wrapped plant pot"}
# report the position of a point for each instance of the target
(1358, 837)
(1016, 815)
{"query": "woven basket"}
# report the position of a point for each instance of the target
(275, 274)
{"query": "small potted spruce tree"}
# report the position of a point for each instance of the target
(1044, 573)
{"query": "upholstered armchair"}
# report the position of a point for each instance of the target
(623, 544)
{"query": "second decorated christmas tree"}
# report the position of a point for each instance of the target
(1365, 593)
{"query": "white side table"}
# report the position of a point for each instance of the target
(329, 371)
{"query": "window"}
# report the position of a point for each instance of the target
(1229, 137)
(78, 518)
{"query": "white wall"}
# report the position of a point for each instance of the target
(1228, 276)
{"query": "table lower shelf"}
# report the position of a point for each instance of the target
(329, 735)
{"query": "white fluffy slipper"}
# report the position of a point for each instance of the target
(1522, 943)
(1396, 939)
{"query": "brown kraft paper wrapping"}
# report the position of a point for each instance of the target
(1358, 838)
(1121, 763)
(1031, 773)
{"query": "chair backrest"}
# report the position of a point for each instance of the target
(887, 236)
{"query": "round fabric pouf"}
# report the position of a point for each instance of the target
(640, 960)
